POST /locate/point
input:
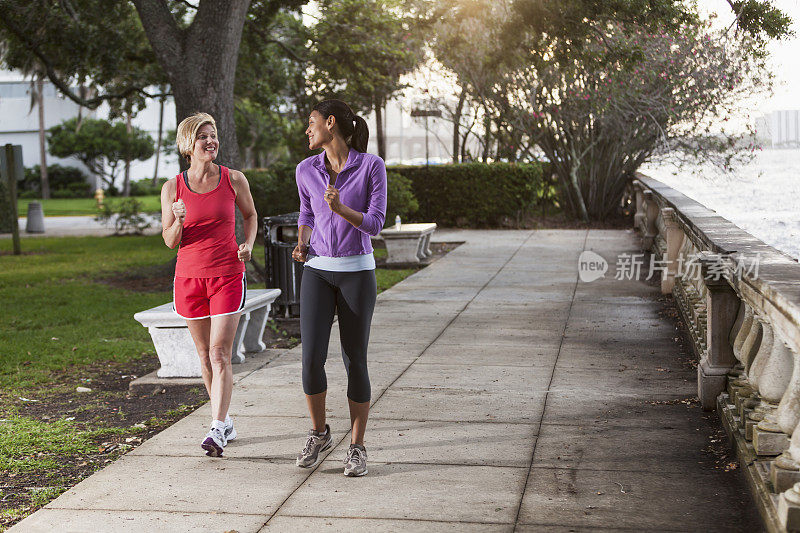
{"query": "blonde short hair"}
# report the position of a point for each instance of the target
(187, 132)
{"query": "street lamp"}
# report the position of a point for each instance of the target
(426, 113)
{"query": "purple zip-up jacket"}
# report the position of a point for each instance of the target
(362, 187)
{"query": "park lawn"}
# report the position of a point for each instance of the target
(82, 206)
(56, 315)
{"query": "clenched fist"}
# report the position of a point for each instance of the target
(244, 252)
(300, 253)
(179, 210)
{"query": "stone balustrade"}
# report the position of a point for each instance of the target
(740, 301)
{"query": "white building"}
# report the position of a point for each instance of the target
(19, 124)
(781, 129)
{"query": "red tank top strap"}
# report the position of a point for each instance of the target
(225, 178)
(179, 186)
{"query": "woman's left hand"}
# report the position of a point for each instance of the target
(244, 252)
(332, 197)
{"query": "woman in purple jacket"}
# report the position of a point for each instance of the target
(342, 203)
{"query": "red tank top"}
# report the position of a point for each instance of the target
(208, 242)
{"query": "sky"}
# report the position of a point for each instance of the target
(785, 55)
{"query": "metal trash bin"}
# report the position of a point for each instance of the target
(283, 272)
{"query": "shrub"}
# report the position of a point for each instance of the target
(274, 190)
(475, 194)
(65, 182)
(145, 187)
(400, 198)
(126, 215)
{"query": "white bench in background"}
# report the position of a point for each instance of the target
(409, 245)
(174, 345)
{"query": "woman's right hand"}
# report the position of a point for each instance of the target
(179, 210)
(300, 252)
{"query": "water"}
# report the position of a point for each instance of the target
(762, 198)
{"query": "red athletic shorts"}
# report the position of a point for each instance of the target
(195, 298)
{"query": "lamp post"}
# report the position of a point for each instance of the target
(426, 113)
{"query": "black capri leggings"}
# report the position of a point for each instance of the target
(353, 295)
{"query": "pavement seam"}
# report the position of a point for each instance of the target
(487, 523)
(549, 384)
(372, 405)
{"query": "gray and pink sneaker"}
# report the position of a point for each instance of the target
(213, 443)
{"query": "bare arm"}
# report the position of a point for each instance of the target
(171, 225)
(303, 238)
(244, 201)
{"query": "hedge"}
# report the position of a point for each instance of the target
(465, 195)
(475, 194)
(274, 192)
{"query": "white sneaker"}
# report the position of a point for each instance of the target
(229, 432)
(213, 443)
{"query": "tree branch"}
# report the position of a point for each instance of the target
(268, 39)
(52, 75)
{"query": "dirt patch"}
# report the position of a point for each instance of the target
(134, 418)
(153, 278)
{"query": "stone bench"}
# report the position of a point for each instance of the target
(174, 345)
(409, 245)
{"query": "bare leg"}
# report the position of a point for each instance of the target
(359, 412)
(316, 407)
(223, 329)
(200, 331)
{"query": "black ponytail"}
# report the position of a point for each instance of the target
(360, 137)
(353, 128)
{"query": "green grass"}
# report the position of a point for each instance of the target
(386, 278)
(82, 206)
(55, 315)
(28, 445)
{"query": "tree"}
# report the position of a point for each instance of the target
(601, 88)
(359, 50)
(37, 100)
(100, 145)
(121, 49)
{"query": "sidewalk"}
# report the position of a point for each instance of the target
(507, 396)
(75, 226)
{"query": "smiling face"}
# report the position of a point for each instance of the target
(206, 144)
(319, 131)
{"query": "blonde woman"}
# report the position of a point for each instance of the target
(198, 213)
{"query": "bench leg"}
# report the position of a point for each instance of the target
(237, 354)
(176, 352)
(254, 334)
(402, 251)
(426, 246)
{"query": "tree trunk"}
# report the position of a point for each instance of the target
(380, 133)
(487, 138)
(42, 144)
(457, 124)
(160, 136)
(200, 63)
(126, 182)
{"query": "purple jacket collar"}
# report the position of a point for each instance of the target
(353, 159)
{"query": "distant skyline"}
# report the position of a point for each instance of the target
(785, 55)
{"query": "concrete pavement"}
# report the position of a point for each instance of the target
(75, 226)
(507, 396)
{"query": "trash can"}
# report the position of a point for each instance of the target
(283, 272)
(35, 222)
